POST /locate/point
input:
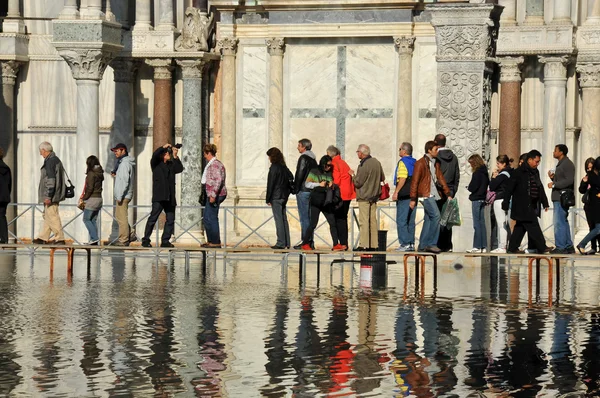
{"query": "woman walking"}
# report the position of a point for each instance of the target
(213, 181)
(319, 180)
(91, 198)
(279, 181)
(478, 188)
(343, 180)
(585, 188)
(500, 178)
(5, 190)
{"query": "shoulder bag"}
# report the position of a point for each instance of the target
(70, 190)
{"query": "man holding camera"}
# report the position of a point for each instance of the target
(165, 165)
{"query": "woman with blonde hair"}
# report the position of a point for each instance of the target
(478, 188)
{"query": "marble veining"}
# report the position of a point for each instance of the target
(255, 77)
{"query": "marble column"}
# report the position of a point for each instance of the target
(276, 47)
(142, 15)
(13, 22)
(8, 135)
(165, 20)
(191, 156)
(124, 125)
(93, 10)
(228, 48)
(555, 109)
(405, 47)
(589, 81)
(509, 14)
(70, 10)
(593, 12)
(534, 12)
(562, 12)
(162, 121)
(509, 135)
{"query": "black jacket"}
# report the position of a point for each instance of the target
(278, 182)
(5, 182)
(479, 184)
(524, 208)
(592, 187)
(163, 177)
(449, 165)
(498, 183)
(304, 166)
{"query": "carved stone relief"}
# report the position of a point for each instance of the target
(275, 45)
(87, 64)
(10, 69)
(589, 75)
(196, 31)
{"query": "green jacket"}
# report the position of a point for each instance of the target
(367, 180)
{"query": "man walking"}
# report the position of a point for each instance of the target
(405, 216)
(165, 165)
(306, 163)
(124, 173)
(451, 171)
(563, 178)
(527, 193)
(51, 192)
(426, 182)
(367, 181)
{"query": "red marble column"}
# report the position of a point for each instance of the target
(162, 127)
(510, 108)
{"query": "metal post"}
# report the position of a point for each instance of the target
(225, 229)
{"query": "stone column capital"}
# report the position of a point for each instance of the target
(405, 44)
(510, 69)
(228, 45)
(192, 69)
(124, 70)
(87, 64)
(589, 75)
(162, 68)
(275, 45)
(10, 69)
(555, 68)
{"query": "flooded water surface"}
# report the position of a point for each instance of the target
(247, 326)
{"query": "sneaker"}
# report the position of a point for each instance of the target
(166, 244)
(306, 247)
(570, 250)
(91, 243)
(403, 248)
(298, 246)
(433, 249)
(58, 242)
(411, 247)
(339, 247)
(558, 251)
(475, 250)
(590, 252)
(38, 241)
(530, 251)
(146, 243)
(498, 250)
(277, 247)
(119, 244)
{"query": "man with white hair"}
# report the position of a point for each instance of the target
(367, 181)
(51, 192)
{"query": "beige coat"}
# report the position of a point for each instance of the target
(367, 180)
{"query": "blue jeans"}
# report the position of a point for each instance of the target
(405, 221)
(303, 201)
(431, 224)
(562, 231)
(211, 220)
(591, 235)
(89, 220)
(480, 237)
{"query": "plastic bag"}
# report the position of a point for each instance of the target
(450, 214)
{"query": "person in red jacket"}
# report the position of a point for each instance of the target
(342, 179)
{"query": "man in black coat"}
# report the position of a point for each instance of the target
(5, 190)
(306, 162)
(451, 171)
(165, 165)
(526, 190)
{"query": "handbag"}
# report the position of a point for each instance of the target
(385, 191)
(586, 198)
(202, 198)
(567, 198)
(70, 190)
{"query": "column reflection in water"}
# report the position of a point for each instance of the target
(278, 362)
(308, 349)
(564, 375)
(9, 368)
(590, 366)
(366, 362)
(89, 331)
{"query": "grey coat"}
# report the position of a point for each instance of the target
(564, 178)
(52, 180)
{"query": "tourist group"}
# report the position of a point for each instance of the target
(515, 196)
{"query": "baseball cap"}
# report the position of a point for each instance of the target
(119, 146)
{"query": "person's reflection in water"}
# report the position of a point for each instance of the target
(477, 358)
(366, 361)
(159, 323)
(561, 363)
(590, 364)
(337, 348)
(89, 329)
(409, 369)
(211, 349)
(10, 370)
(308, 347)
(445, 380)
(278, 357)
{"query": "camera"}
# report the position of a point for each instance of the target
(170, 149)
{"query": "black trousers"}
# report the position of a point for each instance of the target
(535, 236)
(444, 242)
(157, 208)
(315, 212)
(341, 223)
(596, 241)
(3, 223)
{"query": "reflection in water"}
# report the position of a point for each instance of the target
(135, 327)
